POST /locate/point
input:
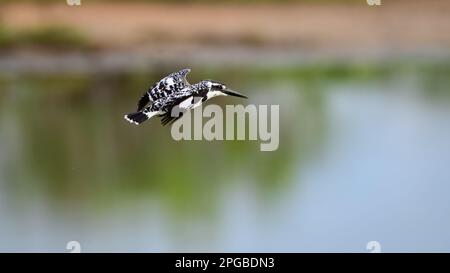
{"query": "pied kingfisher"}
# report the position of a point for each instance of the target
(173, 95)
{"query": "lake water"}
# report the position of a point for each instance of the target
(364, 156)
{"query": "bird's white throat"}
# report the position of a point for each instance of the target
(212, 94)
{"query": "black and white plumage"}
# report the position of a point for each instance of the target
(173, 96)
(163, 88)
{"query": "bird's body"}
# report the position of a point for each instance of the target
(173, 95)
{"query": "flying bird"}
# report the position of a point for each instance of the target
(173, 95)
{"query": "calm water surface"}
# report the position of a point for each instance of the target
(364, 155)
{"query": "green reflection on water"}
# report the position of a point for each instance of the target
(66, 137)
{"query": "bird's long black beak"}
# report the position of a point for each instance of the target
(233, 93)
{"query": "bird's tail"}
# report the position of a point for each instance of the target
(139, 117)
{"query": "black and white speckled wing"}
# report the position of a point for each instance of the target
(165, 104)
(165, 87)
(173, 106)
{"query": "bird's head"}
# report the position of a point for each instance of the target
(219, 89)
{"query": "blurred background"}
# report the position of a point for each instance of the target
(364, 95)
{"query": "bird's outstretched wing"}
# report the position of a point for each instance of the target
(166, 86)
